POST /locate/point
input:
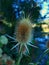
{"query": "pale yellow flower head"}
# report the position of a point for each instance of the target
(23, 32)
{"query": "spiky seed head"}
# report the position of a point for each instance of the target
(23, 32)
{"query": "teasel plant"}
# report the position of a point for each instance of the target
(23, 34)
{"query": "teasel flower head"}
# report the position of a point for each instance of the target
(23, 34)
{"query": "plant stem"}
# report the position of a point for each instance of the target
(20, 55)
(19, 59)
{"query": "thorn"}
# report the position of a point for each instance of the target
(27, 48)
(10, 37)
(14, 46)
(32, 45)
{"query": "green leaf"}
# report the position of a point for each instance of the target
(1, 52)
(3, 40)
(1, 45)
(47, 63)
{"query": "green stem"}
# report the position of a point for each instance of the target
(19, 59)
(20, 55)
